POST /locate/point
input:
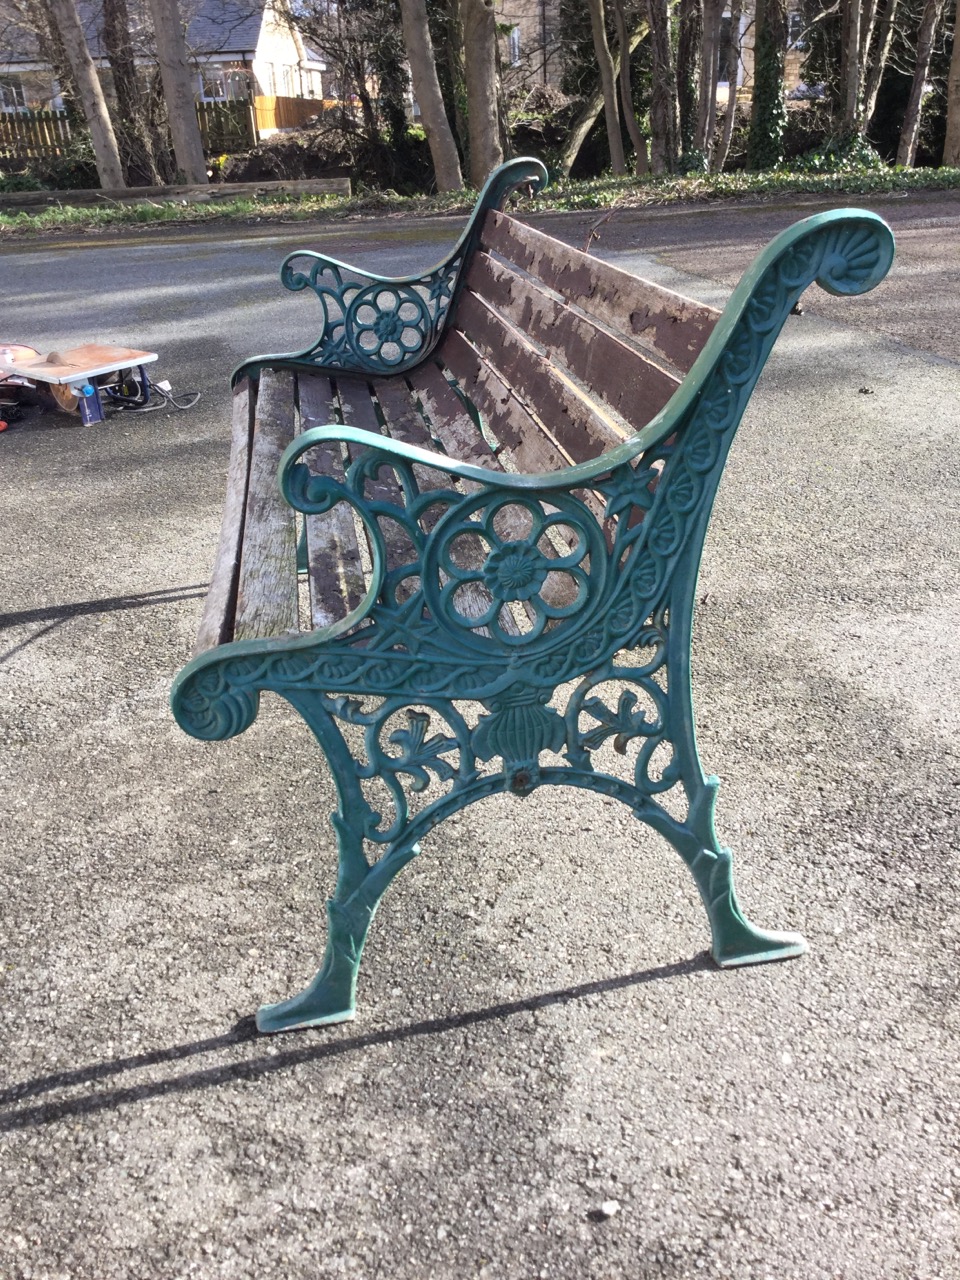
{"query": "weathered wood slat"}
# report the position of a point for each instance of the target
(337, 582)
(216, 624)
(571, 416)
(617, 372)
(672, 326)
(267, 598)
(521, 437)
(359, 410)
(451, 425)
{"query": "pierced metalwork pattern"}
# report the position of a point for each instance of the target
(374, 324)
(629, 580)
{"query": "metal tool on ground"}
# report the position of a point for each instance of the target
(89, 379)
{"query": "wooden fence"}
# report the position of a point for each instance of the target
(227, 126)
(30, 135)
(286, 113)
(224, 126)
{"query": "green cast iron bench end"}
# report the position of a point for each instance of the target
(462, 537)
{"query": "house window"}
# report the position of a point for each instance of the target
(795, 30)
(513, 41)
(288, 90)
(11, 96)
(219, 85)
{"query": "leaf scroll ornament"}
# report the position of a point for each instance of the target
(418, 753)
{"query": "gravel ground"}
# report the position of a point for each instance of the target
(547, 1077)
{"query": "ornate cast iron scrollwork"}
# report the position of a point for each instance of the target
(630, 582)
(375, 324)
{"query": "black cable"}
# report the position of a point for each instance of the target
(166, 398)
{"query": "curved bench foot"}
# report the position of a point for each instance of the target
(314, 1007)
(735, 940)
(756, 946)
(331, 996)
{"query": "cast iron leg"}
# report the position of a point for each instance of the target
(331, 996)
(735, 940)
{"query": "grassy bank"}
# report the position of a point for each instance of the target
(605, 193)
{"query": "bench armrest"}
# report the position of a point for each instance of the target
(387, 324)
(846, 251)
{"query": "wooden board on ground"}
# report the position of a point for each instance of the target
(77, 364)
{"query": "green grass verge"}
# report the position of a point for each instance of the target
(604, 193)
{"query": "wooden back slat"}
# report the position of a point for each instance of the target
(450, 422)
(507, 418)
(337, 582)
(619, 374)
(267, 596)
(572, 417)
(673, 327)
(216, 624)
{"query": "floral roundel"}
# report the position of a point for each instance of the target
(388, 324)
(492, 553)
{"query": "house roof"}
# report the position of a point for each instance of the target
(226, 27)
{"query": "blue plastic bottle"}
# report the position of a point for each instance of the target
(91, 410)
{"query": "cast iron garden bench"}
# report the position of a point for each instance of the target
(477, 572)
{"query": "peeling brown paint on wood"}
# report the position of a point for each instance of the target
(507, 417)
(571, 416)
(616, 372)
(451, 425)
(673, 327)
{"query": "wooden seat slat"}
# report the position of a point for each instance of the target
(335, 570)
(401, 418)
(626, 380)
(669, 324)
(267, 592)
(358, 406)
(216, 625)
(451, 425)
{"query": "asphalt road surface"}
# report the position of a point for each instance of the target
(540, 1033)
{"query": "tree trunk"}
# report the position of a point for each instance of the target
(709, 71)
(51, 49)
(179, 85)
(592, 107)
(447, 31)
(879, 61)
(664, 121)
(951, 147)
(626, 91)
(730, 119)
(852, 118)
(907, 150)
(479, 42)
(608, 85)
(426, 88)
(92, 101)
(768, 117)
(689, 45)
(139, 158)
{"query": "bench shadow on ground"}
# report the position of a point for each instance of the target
(277, 1059)
(57, 614)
